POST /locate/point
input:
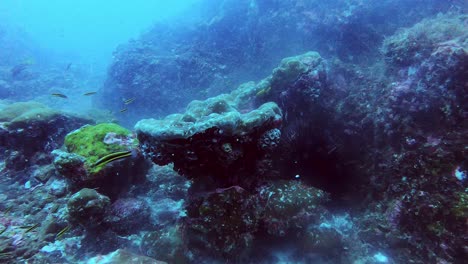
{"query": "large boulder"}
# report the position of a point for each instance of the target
(223, 223)
(87, 207)
(30, 129)
(166, 244)
(418, 167)
(87, 145)
(213, 138)
(127, 215)
(430, 86)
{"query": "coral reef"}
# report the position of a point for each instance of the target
(211, 139)
(290, 206)
(418, 132)
(87, 207)
(354, 157)
(165, 244)
(223, 224)
(128, 214)
(412, 45)
(226, 145)
(86, 145)
(30, 130)
(94, 142)
(235, 41)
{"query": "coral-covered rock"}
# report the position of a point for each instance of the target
(123, 256)
(69, 165)
(419, 137)
(313, 120)
(166, 244)
(412, 45)
(303, 74)
(31, 128)
(290, 206)
(95, 142)
(239, 40)
(229, 221)
(430, 91)
(87, 145)
(87, 207)
(128, 215)
(300, 87)
(211, 138)
(223, 223)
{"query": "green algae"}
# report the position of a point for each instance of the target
(88, 142)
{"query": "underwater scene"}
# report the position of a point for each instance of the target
(234, 131)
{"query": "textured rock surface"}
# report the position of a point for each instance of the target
(290, 206)
(123, 256)
(127, 215)
(31, 128)
(88, 144)
(165, 244)
(211, 137)
(223, 223)
(235, 41)
(87, 207)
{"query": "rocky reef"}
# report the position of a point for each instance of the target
(328, 159)
(227, 145)
(88, 146)
(87, 207)
(30, 130)
(212, 139)
(399, 149)
(235, 41)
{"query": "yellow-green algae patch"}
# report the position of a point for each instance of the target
(88, 142)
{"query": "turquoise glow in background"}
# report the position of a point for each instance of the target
(89, 29)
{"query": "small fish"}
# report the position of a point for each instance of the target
(263, 91)
(68, 66)
(31, 228)
(8, 209)
(111, 157)
(89, 93)
(332, 150)
(54, 208)
(4, 229)
(129, 101)
(123, 110)
(59, 95)
(62, 232)
(6, 255)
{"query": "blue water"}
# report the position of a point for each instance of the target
(89, 30)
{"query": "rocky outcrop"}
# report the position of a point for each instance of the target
(30, 131)
(88, 146)
(213, 138)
